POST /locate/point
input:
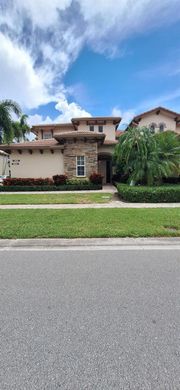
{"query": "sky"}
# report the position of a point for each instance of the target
(69, 58)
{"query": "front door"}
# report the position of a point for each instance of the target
(108, 171)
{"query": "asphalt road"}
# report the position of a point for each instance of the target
(76, 320)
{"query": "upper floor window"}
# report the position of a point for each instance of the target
(152, 127)
(47, 134)
(80, 166)
(91, 127)
(161, 127)
(100, 129)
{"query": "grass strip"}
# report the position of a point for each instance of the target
(70, 223)
(6, 199)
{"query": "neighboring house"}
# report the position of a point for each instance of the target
(157, 120)
(76, 149)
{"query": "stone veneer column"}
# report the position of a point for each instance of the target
(74, 148)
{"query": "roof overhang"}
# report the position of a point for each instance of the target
(21, 147)
(79, 135)
(100, 120)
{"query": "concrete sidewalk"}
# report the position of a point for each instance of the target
(111, 205)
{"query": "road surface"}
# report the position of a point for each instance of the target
(96, 319)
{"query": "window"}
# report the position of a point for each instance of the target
(91, 127)
(152, 127)
(47, 134)
(100, 129)
(161, 127)
(80, 166)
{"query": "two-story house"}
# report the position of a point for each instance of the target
(76, 149)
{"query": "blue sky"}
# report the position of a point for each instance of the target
(78, 58)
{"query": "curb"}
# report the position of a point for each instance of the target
(54, 243)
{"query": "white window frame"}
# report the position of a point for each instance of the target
(81, 165)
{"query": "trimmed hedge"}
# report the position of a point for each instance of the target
(144, 194)
(27, 181)
(66, 187)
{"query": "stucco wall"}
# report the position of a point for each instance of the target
(108, 129)
(106, 149)
(161, 118)
(36, 164)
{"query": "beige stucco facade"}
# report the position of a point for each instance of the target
(161, 119)
(108, 129)
(169, 122)
(36, 164)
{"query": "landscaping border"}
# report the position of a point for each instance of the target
(145, 194)
(65, 187)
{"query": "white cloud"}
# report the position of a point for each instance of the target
(40, 39)
(69, 110)
(125, 115)
(65, 112)
(18, 79)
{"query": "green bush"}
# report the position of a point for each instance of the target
(83, 182)
(66, 187)
(143, 194)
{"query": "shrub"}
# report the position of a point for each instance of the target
(143, 194)
(76, 181)
(64, 187)
(59, 179)
(96, 178)
(27, 182)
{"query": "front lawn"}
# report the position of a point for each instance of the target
(90, 223)
(92, 197)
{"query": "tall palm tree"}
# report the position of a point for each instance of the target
(143, 158)
(21, 128)
(7, 108)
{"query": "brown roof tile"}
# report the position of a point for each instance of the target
(42, 143)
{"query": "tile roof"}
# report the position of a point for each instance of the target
(49, 143)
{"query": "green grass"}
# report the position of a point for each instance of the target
(92, 197)
(89, 223)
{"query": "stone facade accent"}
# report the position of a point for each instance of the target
(74, 148)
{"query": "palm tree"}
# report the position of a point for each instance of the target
(21, 128)
(143, 158)
(169, 149)
(7, 108)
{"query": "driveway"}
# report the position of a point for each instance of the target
(90, 319)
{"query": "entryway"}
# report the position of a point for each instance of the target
(105, 167)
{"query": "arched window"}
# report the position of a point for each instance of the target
(152, 127)
(162, 127)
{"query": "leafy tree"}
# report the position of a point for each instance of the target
(7, 108)
(145, 157)
(21, 128)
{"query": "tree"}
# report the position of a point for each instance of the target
(21, 128)
(169, 149)
(145, 158)
(7, 108)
